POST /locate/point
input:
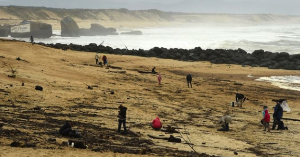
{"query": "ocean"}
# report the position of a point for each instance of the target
(270, 38)
(276, 38)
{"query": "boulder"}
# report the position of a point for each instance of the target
(69, 27)
(4, 31)
(97, 29)
(258, 54)
(202, 57)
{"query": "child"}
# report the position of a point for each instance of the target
(266, 120)
(159, 79)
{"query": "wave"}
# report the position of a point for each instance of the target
(282, 45)
(285, 82)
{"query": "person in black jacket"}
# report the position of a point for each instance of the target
(277, 115)
(66, 129)
(240, 99)
(189, 80)
(122, 118)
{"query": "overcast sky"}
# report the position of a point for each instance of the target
(286, 7)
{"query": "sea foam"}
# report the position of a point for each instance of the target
(285, 82)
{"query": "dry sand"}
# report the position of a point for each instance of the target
(64, 75)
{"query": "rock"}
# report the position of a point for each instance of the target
(26, 29)
(15, 144)
(4, 31)
(203, 57)
(174, 139)
(69, 27)
(40, 88)
(133, 33)
(52, 140)
(112, 92)
(258, 54)
(235, 153)
(37, 108)
(97, 29)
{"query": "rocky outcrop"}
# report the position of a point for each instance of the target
(259, 58)
(133, 33)
(4, 31)
(97, 29)
(69, 27)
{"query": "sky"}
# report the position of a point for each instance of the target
(281, 7)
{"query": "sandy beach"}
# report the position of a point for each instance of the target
(64, 76)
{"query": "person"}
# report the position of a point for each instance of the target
(225, 120)
(31, 40)
(156, 124)
(264, 108)
(277, 115)
(266, 119)
(240, 99)
(66, 129)
(153, 70)
(189, 80)
(97, 58)
(104, 59)
(122, 118)
(159, 79)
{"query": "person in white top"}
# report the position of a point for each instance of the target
(97, 58)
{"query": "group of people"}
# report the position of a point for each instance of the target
(104, 59)
(277, 116)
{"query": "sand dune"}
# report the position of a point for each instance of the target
(64, 75)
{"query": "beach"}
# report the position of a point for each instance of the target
(64, 76)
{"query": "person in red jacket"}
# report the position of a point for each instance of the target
(267, 120)
(156, 124)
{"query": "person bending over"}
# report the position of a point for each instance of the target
(240, 99)
(66, 129)
(156, 124)
(225, 122)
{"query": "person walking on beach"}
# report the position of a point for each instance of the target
(122, 118)
(277, 115)
(189, 80)
(96, 58)
(266, 119)
(104, 59)
(159, 79)
(31, 40)
(240, 99)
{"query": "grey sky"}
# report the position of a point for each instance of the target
(286, 7)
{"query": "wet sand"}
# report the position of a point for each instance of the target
(64, 75)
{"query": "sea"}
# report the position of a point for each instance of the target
(274, 38)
